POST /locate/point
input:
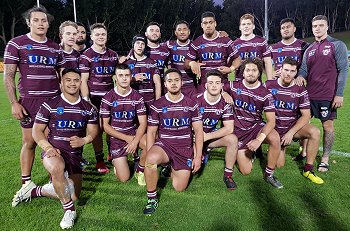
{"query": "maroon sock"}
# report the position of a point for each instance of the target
(152, 194)
(228, 172)
(36, 192)
(68, 206)
(140, 168)
(308, 167)
(269, 171)
(26, 178)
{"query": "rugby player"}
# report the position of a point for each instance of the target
(97, 65)
(293, 116)
(214, 109)
(39, 61)
(80, 44)
(68, 36)
(325, 68)
(170, 139)
(72, 123)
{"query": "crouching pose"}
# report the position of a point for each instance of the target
(68, 118)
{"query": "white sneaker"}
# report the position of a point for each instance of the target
(24, 194)
(67, 221)
(140, 176)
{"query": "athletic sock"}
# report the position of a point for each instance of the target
(152, 194)
(99, 156)
(36, 192)
(140, 168)
(308, 167)
(269, 171)
(26, 178)
(68, 206)
(228, 172)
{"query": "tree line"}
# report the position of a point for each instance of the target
(124, 19)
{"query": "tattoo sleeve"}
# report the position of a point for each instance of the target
(9, 82)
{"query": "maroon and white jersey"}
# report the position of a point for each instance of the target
(65, 119)
(38, 64)
(174, 120)
(214, 53)
(123, 110)
(160, 54)
(256, 47)
(177, 60)
(280, 51)
(214, 112)
(101, 68)
(249, 104)
(288, 103)
(72, 59)
(149, 67)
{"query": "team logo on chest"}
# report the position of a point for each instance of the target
(326, 51)
(83, 113)
(95, 59)
(186, 109)
(217, 112)
(115, 103)
(174, 48)
(133, 103)
(274, 91)
(201, 110)
(164, 109)
(202, 46)
(279, 50)
(60, 110)
(238, 91)
(29, 47)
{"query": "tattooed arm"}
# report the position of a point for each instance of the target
(17, 109)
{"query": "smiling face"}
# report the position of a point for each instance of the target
(99, 36)
(70, 83)
(182, 32)
(38, 23)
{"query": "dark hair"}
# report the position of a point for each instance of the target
(81, 24)
(153, 24)
(70, 69)
(28, 14)
(257, 61)
(182, 22)
(122, 66)
(320, 17)
(139, 37)
(290, 61)
(285, 20)
(208, 14)
(172, 70)
(214, 72)
(97, 26)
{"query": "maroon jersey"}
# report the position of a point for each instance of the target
(160, 54)
(149, 67)
(72, 59)
(288, 103)
(174, 120)
(38, 64)
(256, 47)
(101, 68)
(177, 60)
(249, 104)
(64, 120)
(280, 51)
(213, 53)
(122, 110)
(212, 113)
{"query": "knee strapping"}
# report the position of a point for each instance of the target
(152, 166)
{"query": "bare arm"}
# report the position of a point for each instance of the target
(132, 146)
(84, 89)
(198, 132)
(223, 131)
(40, 138)
(268, 68)
(157, 86)
(151, 136)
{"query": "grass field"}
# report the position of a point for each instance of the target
(106, 204)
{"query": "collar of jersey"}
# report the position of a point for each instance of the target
(65, 99)
(167, 97)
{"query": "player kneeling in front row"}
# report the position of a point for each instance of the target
(213, 109)
(251, 99)
(172, 116)
(293, 115)
(120, 108)
(67, 117)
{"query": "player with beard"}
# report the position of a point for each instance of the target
(170, 139)
(325, 68)
(97, 65)
(124, 119)
(293, 116)
(68, 118)
(210, 51)
(214, 109)
(251, 99)
(250, 45)
(68, 35)
(40, 62)
(178, 50)
(80, 44)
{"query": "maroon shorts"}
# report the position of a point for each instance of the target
(245, 136)
(180, 158)
(72, 162)
(32, 106)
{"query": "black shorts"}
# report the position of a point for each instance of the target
(322, 109)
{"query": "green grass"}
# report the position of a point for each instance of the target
(106, 204)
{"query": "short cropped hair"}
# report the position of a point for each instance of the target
(320, 17)
(172, 70)
(28, 14)
(122, 66)
(247, 16)
(285, 20)
(290, 61)
(257, 61)
(208, 14)
(71, 70)
(214, 72)
(64, 24)
(153, 24)
(97, 26)
(182, 22)
(80, 24)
